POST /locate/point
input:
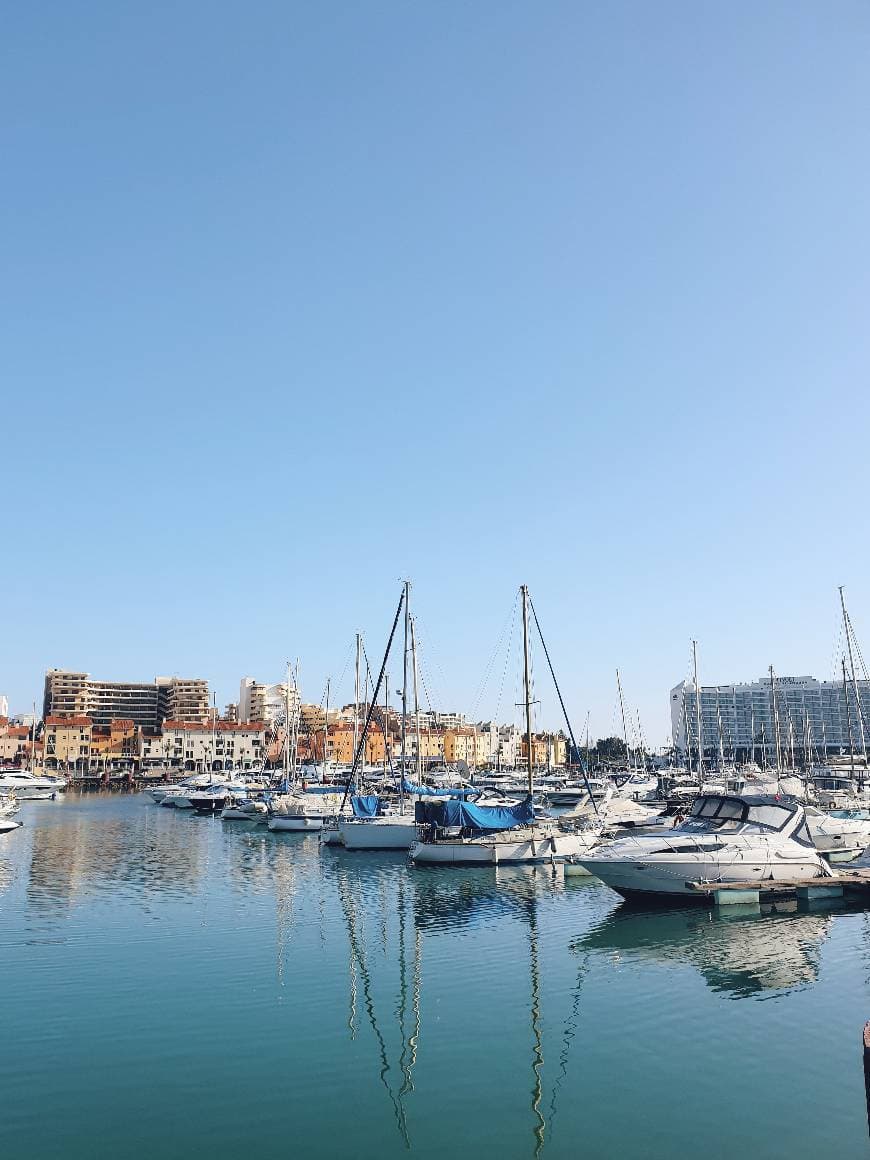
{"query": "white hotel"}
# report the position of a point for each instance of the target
(812, 714)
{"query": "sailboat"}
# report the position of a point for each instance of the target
(390, 831)
(500, 834)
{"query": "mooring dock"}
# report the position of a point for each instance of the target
(854, 882)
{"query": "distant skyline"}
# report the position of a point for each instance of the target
(298, 301)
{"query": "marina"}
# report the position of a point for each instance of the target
(167, 950)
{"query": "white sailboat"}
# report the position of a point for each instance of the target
(534, 841)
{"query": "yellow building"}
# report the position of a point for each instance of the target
(67, 742)
(461, 745)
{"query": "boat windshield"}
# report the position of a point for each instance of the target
(715, 812)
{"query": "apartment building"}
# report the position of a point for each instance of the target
(74, 694)
(222, 745)
(741, 720)
(259, 701)
(67, 742)
(15, 743)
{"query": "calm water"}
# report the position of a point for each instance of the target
(176, 986)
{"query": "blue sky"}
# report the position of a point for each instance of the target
(297, 300)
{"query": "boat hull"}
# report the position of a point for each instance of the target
(298, 823)
(371, 836)
(547, 848)
(631, 877)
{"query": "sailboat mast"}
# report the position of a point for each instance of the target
(356, 697)
(628, 756)
(287, 729)
(848, 720)
(698, 714)
(848, 630)
(416, 703)
(775, 723)
(325, 726)
(525, 594)
(405, 674)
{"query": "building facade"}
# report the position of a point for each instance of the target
(72, 694)
(201, 746)
(813, 719)
(67, 743)
(264, 702)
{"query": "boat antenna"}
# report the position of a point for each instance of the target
(583, 764)
(373, 702)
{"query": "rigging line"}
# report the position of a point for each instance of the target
(361, 743)
(481, 688)
(506, 663)
(380, 721)
(424, 639)
(564, 710)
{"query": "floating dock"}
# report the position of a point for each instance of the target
(852, 883)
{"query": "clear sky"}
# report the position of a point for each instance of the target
(301, 299)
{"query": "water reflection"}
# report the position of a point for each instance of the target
(402, 909)
(738, 953)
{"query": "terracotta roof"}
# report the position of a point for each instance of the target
(74, 722)
(123, 723)
(220, 726)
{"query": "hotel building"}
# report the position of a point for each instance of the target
(812, 716)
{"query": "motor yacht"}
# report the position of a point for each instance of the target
(840, 835)
(29, 785)
(301, 812)
(724, 839)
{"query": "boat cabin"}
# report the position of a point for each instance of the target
(758, 812)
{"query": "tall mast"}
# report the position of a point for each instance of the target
(848, 720)
(628, 757)
(698, 714)
(356, 698)
(405, 673)
(525, 593)
(325, 726)
(775, 723)
(287, 729)
(416, 703)
(719, 726)
(213, 730)
(847, 626)
(686, 729)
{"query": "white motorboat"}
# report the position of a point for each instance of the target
(724, 839)
(244, 809)
(840, 835)
(8, 810)
(28, 785)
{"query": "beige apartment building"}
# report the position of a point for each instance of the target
(67, 742)
(73, 694)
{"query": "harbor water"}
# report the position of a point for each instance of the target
(177, 986)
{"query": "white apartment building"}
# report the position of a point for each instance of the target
(4, 706)
(205, 747)
(265, 702)
(813, 717)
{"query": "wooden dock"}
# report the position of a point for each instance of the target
(849, 883)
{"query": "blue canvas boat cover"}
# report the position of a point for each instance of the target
(472, 817)
(429, 791)
(339, 787)
(366, 805)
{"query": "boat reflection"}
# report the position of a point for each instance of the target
(739, 952)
